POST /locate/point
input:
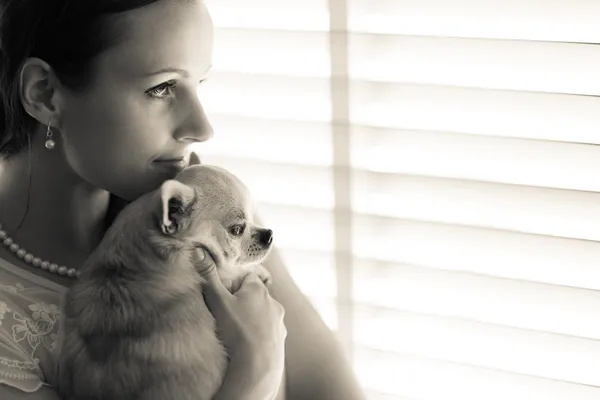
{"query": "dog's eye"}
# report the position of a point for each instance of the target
(237, 230)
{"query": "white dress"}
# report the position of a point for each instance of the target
(29, 324)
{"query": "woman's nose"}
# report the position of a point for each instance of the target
(194, 126)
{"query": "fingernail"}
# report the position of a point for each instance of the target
(201, 255)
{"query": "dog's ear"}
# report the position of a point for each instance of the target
(175, 201)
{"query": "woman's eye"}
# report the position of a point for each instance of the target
(163, 91)
(237, 230)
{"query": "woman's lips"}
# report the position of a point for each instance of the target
(175, 163)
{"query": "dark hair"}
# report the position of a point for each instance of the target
(67, 34)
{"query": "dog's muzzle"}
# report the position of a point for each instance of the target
(265, 237)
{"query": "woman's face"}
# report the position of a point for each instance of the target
(142, 112)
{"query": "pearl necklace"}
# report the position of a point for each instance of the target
(37, 262)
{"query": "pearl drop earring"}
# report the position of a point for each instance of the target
(50, 143)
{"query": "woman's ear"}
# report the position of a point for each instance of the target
(176, 199)
(38, 90)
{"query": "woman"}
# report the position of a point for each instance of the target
(98, 103)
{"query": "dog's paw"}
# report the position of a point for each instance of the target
(264, 275)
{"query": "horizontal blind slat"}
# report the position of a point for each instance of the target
(568, 118)
(279, 141)
(507, 302)
(532, 353)
(307, 15)
(423, 378)
(549, 20)
(267, 96)
(497, 253)
(543, 211)
(295, 53)
(513, 65)
(539, 163)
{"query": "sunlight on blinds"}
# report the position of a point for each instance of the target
(475, 343)
(477, 111)
(477, 157)
(299, 53)
(267, 96)
(500, 64)
(528, 209)
(523, 304)
(471, 190)
(305, 15)
(426, 378)
(541, 20)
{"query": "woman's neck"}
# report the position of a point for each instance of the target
(48, 209)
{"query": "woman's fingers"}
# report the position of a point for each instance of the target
(215, 293)
(252, 283)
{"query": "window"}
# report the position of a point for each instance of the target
(431, 170)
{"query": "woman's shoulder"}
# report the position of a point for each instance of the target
(29, 324)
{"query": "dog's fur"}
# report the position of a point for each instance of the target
(135, 324)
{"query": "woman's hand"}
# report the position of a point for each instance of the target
(250, 325)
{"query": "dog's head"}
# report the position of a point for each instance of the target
(209, 207)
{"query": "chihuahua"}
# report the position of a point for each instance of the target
(135, 325)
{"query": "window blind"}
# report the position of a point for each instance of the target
(431, 170)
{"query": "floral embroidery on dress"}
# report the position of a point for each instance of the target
(3, 310)
(12, 289)
(32, 366)
(38, 330)
(29, 327)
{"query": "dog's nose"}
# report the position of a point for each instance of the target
(265, 237)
